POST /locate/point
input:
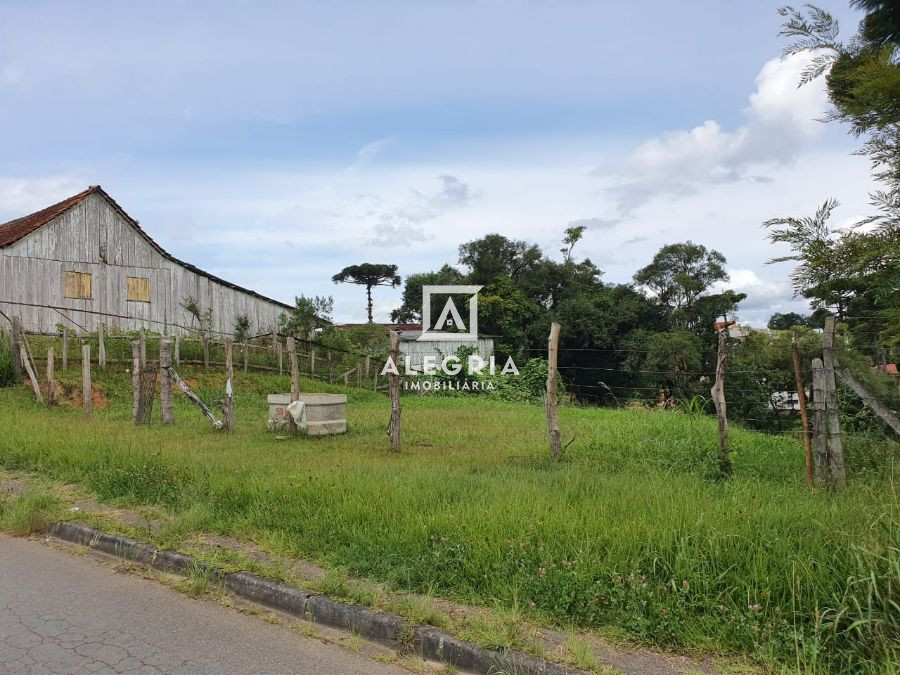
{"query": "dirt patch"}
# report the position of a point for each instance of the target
(290, 567)
(11, 486)
(72, 396)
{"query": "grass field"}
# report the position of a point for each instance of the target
(630, 532)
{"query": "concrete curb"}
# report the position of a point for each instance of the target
(383, 627)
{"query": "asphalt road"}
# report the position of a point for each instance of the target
(65, 613)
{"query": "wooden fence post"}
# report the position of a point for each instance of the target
(86, 380)
(146, 394)
(394, 388)
(312, 361)
(143, 342)
(101, 347)
(51, 385)
(229, 387)
(16, 338)
(368, 365)
(295, 381)
(65, 348)
(553, 431)
(835, 445)
(135, 378)
(246, 350)
(11, 338)
(804, 415)
(279, 352)
(165, 382)
(820, 442)
(177, 357)
(330, 368)
(205, 350)
(718, 396)
(359, 374)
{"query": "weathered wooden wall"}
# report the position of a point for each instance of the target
(33, 270)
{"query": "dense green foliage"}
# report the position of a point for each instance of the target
(6, 361)
(855, 271)
(628, 532)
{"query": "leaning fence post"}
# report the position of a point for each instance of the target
(32, 376)
(553, 431)
(394, 389)
(820, 442)
(804, 415)
(835, 446)
(51, 385)
(86, 380)
(101, 347)
(135, 378)
(65, 348)
(229, 387)
(718, 396)
(165, 382)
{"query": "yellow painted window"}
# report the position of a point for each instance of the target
(139, 289)
(78, 285)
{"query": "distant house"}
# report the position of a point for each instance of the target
(416, 350)
(85, 261)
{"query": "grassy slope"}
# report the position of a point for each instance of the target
(629, 531)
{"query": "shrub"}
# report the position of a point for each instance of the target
(7, 376)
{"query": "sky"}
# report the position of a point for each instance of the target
(274, 143)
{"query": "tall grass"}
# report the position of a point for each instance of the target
(629, 531)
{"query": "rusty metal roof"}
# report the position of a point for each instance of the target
(14, 230)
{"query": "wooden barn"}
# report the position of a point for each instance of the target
(85, 261)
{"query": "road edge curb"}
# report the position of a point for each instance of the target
(382, 627)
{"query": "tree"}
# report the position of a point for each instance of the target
(779, 321)
(203, 318)
(863, 76)
(369, 275)
(494, 256)
(411, 308)
(241, 327)
(680, 273)
(306, 315)
(853, 270)
(573, 236)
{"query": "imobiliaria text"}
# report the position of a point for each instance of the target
(450, 366)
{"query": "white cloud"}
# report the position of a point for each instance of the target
(21, 196)
(402, 225)
(781, 120)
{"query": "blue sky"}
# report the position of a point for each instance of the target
(273, 143)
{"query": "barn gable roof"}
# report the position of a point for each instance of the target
(14, 230)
